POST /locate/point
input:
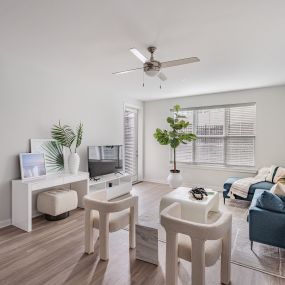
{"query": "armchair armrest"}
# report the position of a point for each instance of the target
(104, 206)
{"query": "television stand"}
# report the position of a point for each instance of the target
(121, 183)
(94, 179)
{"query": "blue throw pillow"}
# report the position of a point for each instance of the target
(271, 202)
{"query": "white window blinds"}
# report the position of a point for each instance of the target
(241, 121)
(131, 143)
(185, 151)
(226, 136)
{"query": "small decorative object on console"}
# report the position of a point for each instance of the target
(198, 193)
(53, 151)
(67, 137)
(32, 165)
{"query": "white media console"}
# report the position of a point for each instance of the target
(116, 184)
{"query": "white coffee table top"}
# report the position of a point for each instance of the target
(192, 209)
(182, 193)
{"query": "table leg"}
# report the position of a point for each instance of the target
(22, 207)
(216, 202)
(206, 213)
(104, 235)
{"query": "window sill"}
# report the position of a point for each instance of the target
(251, 170)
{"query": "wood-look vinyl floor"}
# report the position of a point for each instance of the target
(53, 253)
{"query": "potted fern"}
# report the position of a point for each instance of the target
(174, 137)
(70, 139)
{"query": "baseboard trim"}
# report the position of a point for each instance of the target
(215, 188)
(5, 223)
(154, 181)
(36, 214)
(8, 222)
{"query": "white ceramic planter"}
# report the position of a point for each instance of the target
(174, 180)
(73, 163)
(65, 159)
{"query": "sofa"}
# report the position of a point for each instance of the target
(261, 185)
(266, 226)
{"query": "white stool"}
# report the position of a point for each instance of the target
(57, 203)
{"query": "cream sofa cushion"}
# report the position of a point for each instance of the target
(280, 175)
(276, 174)
(57, 201)
(278, 189)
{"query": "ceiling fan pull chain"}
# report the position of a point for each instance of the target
(160, 84)
(143, 78)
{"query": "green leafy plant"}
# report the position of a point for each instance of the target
(176, 135)
(79, 134)
(65, 136)
(54, 155)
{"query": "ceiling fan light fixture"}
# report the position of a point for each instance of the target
(152, 72)
(152, 68)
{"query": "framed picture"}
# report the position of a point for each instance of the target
(54, 153)
(32, 165)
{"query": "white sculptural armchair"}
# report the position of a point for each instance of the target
(108, 216)
(201, 244)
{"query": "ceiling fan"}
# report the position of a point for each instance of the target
(153, 67)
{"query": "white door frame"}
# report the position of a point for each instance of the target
(140, 137)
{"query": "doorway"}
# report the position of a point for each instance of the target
(131, 142)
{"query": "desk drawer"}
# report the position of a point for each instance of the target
(46, 184)
(74, 178)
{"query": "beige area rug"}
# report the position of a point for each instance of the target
(263, 258)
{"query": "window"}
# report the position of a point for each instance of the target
(226, 136)
(131, 142)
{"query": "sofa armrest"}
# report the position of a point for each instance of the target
(257, 194)
(266, 226)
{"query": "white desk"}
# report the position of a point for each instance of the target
(192, 209)
(22, 194)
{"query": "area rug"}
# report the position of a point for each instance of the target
(263, 258)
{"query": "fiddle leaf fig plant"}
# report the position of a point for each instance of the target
(176, 135)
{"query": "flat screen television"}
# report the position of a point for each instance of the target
(105, 160)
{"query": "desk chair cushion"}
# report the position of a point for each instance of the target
(213, 249)
(117, 220)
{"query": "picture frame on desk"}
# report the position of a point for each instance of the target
(32, 165)
(55, 154)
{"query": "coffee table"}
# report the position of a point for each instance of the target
(192, 209)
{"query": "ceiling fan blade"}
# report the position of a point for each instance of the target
(140, 56)
(179, 62)
(161, 76)
(127, 71)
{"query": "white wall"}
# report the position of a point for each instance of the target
(32, 100)
(270, 136)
